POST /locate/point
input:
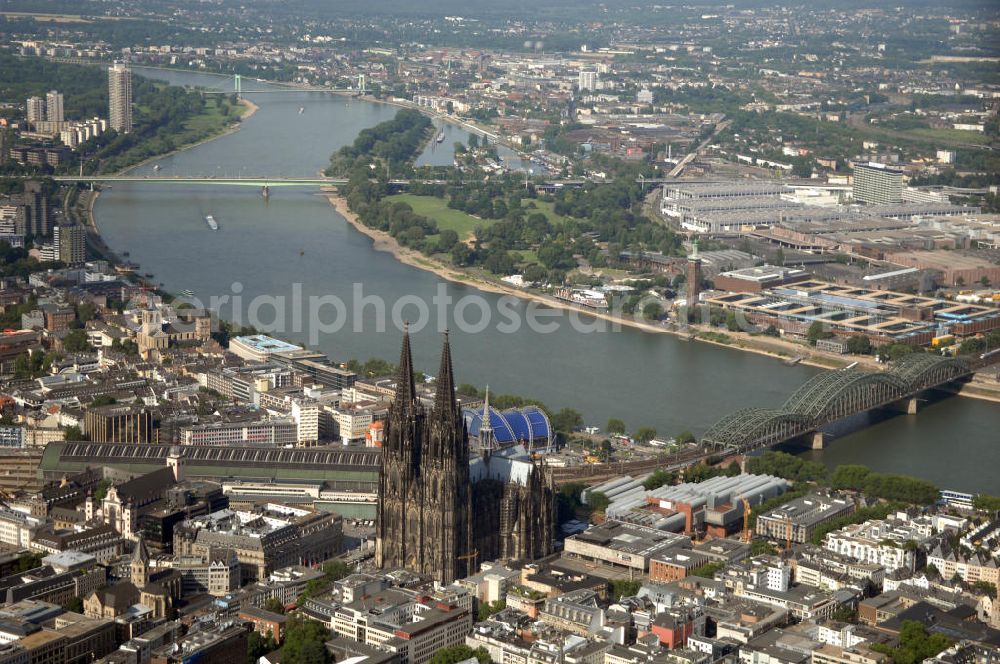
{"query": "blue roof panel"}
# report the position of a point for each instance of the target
(512, 426)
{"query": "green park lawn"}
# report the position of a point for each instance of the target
(545, 207)
(437, 209)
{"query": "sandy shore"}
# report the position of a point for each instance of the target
(91, 219)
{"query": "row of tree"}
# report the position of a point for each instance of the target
(392, 144)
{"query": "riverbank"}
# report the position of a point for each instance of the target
(249, 109)
(96, 243)
(776, 348)
(383, 241)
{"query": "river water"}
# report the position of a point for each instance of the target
(265, 248)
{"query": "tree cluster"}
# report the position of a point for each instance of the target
(305, 642)
(393, 143)
(788, 466)
(915, 645)
(884, 486)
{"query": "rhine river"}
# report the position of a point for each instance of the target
(295, 237)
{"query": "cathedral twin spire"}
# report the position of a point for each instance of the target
(406, 391)
(445, 419)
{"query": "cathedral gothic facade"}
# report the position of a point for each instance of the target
(441, 513)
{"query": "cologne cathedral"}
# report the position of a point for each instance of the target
(441, 512)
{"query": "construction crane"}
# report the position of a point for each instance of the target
(474, 555)
(747, 535)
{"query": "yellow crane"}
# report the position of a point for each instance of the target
(474, 555)
(747, 535)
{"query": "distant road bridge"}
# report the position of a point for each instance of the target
(835, 395)
(259, 181)
(210, 179)
(679, 168)
(252, 181)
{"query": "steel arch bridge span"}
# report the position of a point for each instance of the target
(836, 394)
(754, 427)
(923, 370)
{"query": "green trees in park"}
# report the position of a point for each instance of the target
(615, 426)
(706, 571)
(658, 478)
(817, 331)
(986, 503)
(644, 434)
(915, 645)
(623, 588)
(488, 609)
(259, 645)
(459, 653)
(567, 420)
(393, 143)
(305, 642)
(884, 486)
(859, 346)
(788, 466)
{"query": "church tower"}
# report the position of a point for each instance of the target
(427, 497)
(487, 436)
(449, 507)
(399, 539)
(139, 565)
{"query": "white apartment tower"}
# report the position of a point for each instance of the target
(588, 80)
(120, 97)
(54, 106)
(36, 109)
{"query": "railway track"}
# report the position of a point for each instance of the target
(599, 472)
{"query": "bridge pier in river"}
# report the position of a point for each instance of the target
(818, 440)
(811, 440)
(908, 406)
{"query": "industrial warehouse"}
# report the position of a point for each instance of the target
(882, 316)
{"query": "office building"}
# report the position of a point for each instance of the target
(71, 243)
(278, 431)
(35, 107)
(397, 621)
(54, 106)
(264, 540)
(878, 184)
(37, 216)
(260, 347)
(120, 97)
(798, 519)
(120, 424)
(879, 541)
(223, 643)
(881, 315)
(217, 574)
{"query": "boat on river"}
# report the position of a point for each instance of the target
(210, 220)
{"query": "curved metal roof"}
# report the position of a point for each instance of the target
(529, 424)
